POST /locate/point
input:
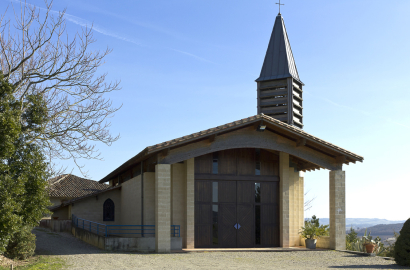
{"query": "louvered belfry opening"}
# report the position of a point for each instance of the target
(280, 93)
(282, 100)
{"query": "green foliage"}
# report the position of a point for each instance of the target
(389, 248)
(45, 263)
(351, 238)
(23, 170)
(41, 263)
(402, 246)
(358, 244)
(313, 229)
(21, 245)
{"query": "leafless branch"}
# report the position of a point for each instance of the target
(308, 202)
(38, 57)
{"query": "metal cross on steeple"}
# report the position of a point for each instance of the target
(279, 5)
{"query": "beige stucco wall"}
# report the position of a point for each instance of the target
(322, 242)
(149, 198)
(55, 201)
(131, 201)
(62, 213)
(92, 208)
(58, 200)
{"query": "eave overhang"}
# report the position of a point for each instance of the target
(300, 137)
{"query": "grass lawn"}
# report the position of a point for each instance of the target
(39, 263)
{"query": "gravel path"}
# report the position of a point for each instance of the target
(80, 255)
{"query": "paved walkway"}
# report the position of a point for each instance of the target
(80, 255)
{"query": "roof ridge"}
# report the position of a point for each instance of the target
(59, 180)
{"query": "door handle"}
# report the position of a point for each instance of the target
(237, 226)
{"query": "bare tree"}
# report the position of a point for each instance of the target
(308, 202)
(39, 58)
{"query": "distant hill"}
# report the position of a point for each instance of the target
(359, 223)
(384, 231)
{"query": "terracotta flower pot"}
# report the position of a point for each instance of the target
(370, 248)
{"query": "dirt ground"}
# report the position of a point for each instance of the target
(80, 255)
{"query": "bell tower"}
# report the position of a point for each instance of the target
(279, 86)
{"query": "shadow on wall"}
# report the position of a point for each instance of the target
(62, 225)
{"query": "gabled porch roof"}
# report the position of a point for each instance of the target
(290, 137)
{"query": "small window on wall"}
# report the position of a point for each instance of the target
(108, 210)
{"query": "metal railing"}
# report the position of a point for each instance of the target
(119, 230)
(175, 230)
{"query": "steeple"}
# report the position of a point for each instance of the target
(279, 86)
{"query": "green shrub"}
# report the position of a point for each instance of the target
(351, 238)
(21, 245)
(389, 247)
(312, 229)
(402, 246)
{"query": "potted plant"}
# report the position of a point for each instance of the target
(369, 244)
(312, 231)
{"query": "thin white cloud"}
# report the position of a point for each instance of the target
(84, 23)
(192, 55)
(360, 111)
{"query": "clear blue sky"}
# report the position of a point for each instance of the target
(189, 65)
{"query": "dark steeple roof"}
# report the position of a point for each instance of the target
(279, 62)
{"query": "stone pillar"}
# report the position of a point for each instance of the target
(284, 225)
(163, 208)
(296, 227)
(301, 202)
(190, 204)
(294, 207)
(337, 210)
(291, 206)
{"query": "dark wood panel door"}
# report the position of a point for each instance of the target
(227, 221)
(245, 214)
(245, 233)
(203, 214)
(241, 214)
(227, 214)
(203, 225)
(270, 214)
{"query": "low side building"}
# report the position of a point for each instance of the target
(68, 186)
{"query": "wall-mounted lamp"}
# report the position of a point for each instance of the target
(261, 127)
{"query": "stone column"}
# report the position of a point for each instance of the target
(162, 208)
(301, 202)
(337, 210)
(291, 206)
(284, 225)
(190, 204)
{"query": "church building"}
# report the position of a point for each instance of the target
(239, 185)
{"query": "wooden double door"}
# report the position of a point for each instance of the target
(236, 214)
